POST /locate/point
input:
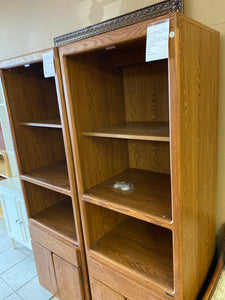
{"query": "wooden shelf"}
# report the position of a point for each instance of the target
(54, 177)
(139, 247)
(149, 131)
(59, 218)
(150, 200)
(54, 123)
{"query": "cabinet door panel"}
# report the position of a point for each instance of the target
(45, 268)
(68, 280)
(15, 224)
(102, 292)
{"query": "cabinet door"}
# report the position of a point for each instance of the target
(45, 268)
(68, 280)
(102, 292)
(13, 221)
(24, 219)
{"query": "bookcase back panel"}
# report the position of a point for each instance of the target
(96, 90)
(146, 91)
(100, 220)
(43, 146)
(149, 156)
(32, 97)
(40, 198)
(112, 156)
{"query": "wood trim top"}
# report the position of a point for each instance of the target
(140, 15)
(25, 59)
(121, 35)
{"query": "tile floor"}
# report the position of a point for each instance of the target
(18, 275)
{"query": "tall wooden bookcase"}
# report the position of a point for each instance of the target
(37, 114)
(153, 125)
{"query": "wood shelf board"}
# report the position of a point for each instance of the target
(54, 177)
(57, 218)
(141, 248)
(149, 131)
(53, 123)
(150, 200)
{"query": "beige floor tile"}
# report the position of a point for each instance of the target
(33, 290)
(14, 296)
(4, 244)
(9, 258)
(5, 290)
(20, 274)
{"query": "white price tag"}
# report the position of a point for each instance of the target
(157, 44)
(48, 64)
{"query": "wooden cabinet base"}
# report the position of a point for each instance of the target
(45, 268)
(68, 280)
(102, 292)
(119, 284)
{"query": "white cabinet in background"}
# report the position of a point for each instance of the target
(14, 211)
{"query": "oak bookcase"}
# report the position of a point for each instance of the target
(153, 125)
(38, 119)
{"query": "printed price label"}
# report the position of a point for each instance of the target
(157, 44)
(48, 64)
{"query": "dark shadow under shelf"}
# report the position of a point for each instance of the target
(150, 200)
(140, 247)
(54, 177)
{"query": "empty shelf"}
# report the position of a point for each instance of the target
(58, 218)
(149, 131)
(54, 177)
(140, 247)
(150, 200)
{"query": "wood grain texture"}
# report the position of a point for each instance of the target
(98, 221)
(123, 284)
(54, 176)
(194, 152)
(146, 91)
(150, 156)
(45, 268)
(62, 248)
(148, 131)
(102, 292)
(141, 248)
(59, 218)
(68, 280)
(150, 200)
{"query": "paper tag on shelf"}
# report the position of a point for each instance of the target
(157, 44)
(48, 64)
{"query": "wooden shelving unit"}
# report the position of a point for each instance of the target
(40, 131)
(147, 124)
